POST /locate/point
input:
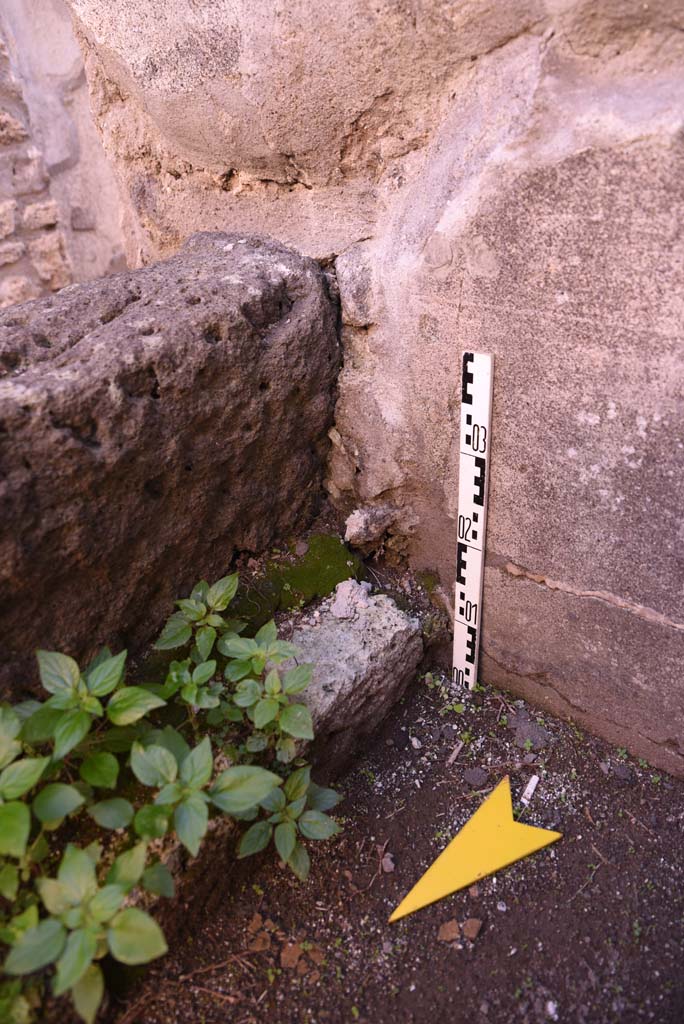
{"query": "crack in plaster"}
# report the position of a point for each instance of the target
(641, 611)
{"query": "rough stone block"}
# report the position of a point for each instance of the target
(14, 289)
(11, 129)
(365, 652)
(49, 260)
(10, 252)
(155, 422)
(7, 217)
(40, 215)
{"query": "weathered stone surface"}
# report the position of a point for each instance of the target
(492, 176)
(40, 215)
(155, 422)
(600, 664)
(7, 217)
(365, 652)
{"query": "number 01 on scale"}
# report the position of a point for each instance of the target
(473, 481)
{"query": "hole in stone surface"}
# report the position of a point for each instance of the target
(41, 340)
(154, 487)
(212, 334)
(193, 300)
(264, 385)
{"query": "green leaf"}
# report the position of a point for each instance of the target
(151, 822)
(295, 719)
(320, 798)
(315, 825)
(247, 693)
(87, 994)
(281, 650)
(285, 840)
(16, 779)
(296, 807)
(176, 633)
(55, 896)
(119, 739)
(63, 701)
(236, 670)
(242, 787)
(19, 924)
(190, 820)
(297, 784)
(267, 634)
(153, 765)
(299, 862)
(255, 839)
(204, 672)
(77, 874)
(106, 902)
(198, 765)
(272, 684)
(169, 794)
(130, 704)
(106, 675)
(158, 880)
(10, 723)
(37, 947)
(14, 828)
(100, 770)
(40, 726)
(192, 610)
(75, 960)
(134, 938)
(221, 593)
(102, 655)
(58, 672)
(275, 801)
(265, 711)
(297, 679)
(56, 801)
(256, 743)
(128, 867)
(9, 881)
(204, 638)
(114, 813)
(286, 750)
(200, 591)
(74, 725)
(237, 646)
(170, 739)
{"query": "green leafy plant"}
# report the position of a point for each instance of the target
(136, 765)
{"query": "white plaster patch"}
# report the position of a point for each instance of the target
(589, 419)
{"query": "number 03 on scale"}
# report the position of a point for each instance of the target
(476, 416)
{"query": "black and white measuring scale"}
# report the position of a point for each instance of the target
(473, 482)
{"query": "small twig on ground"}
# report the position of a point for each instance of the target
(240, 958)
(221, 996)
(454, 753)
(588, 882)
(635, 821)
(603, 859)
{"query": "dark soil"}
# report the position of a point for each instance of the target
(589, 930)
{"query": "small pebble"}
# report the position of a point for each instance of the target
(501, 906)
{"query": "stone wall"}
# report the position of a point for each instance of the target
(153, 423)
(59, 208)
(32, 254)
(486, 175)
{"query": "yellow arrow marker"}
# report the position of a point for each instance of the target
(489, 841)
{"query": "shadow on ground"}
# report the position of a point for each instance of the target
(588, 931)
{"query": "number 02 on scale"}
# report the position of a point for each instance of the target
(473, 481)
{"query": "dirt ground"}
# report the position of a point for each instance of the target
(589, 930)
